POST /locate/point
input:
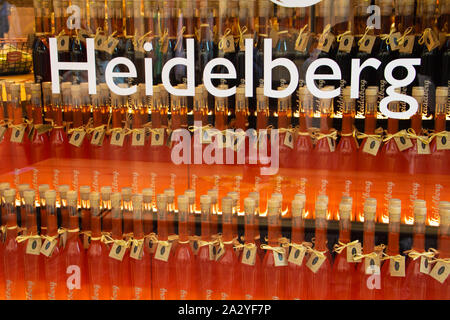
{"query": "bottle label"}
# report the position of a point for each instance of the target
(98, 137)
(212, 252)
(48, 247)
(280, 258)
(249, 256)
(138, 139)
(158, 137)
(206, 137)
(289, 140)
(403, 143)
(441, 271)
(274, 36)
(315, 262)
(18, 134)
(346, 43)
(163, 252)
(117, 251)
(397, 267)
(372, 146)
(150, 245)
(431, 41)
(367, 45)
(34, 246)
(77, 138)
(443, 143)
(352, 251)
(136, 250)
(117, 139)
(425, 266)
(297, 255)
(408, 45)
(423, 148)
(331, 144)
(63, 43)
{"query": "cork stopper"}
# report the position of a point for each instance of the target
(346, 93)
(420, 214)
(278, 197)
(321, 210)
(43, 188)
(4, 186)
(444, 214)
(371, 202)
(161, 201)
(444, 205)
(50, 197)
(297, 208)
(322, 198)
(395, 203)
(35, 88)
(369, 212)
(137, 200)
(29, 196)
(127, 193)
(10, 196)
(191, 195)
(23, 187)
(170, 194)
(420, 203)
(418, 93)
(72, 198)
(394, 213)
(348, 200)
(205, 200)
(84, 192)
(147, 195)
(94, 199)
(345, 210)
(273, 206)
(214, 195)
(300, 197)
(255, 197)
(63, 189)
(227, 205)
(116, 197)
(249, 205)
(183, 203)
(260, 91)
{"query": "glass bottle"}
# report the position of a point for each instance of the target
(106, 217)
(59, 143)
(41, 52)
(42, 209)
(97, 13)
(97, 254)
(127, 212)
(284, 122)
(81, 151)
(63, 190)
(85, 214)
(40, 142)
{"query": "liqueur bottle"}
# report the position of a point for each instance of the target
(97, 14)
(59, 143)
(54, 265)
(42, 189)
(97, 144)
(168, 37)
(79, 143)
(41, 52)
(205, 256)
(159, 151)
(127, 212)
(106, 217)
(40, 143)
(97, 254)
(286, 138)
(63, 190)
(227, 268)
(116, 150)
(139, 143)
(85, 215)
(140, 258)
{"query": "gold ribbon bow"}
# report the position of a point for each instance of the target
(96, 129)
(368, 29)
(249, 246)
(145, 35)
(62, 230)
(277, 250)
(346, 33)
(340, 246)
(202, 243)
(17, 126)
(320, 254)
(353, 134)
(437, 134)
(79, 129)
(425, 33)
(413, 254)
(136, 242)
(297, 42)
(180, 37)
(106, 239)
(412, 135)
(319, 135)
(401, 40)
(50, 238)
(396, 258)
(242, 32)
(399, 134)
(358, 257)
(152, 236)
(223, 243)
(360, 135)
(23, 238)
(163, 37)
(222, 39)
(387, 37)
(325, 33)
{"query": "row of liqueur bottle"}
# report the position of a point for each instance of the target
(102, 246)
(407, 164)
(339, 30)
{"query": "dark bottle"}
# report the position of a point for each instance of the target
(168, 36)
(41, 52)
(97, 13)
(263, 33)
(245, 31)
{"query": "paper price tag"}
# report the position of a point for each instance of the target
(2, 132)
(48, 247)
(110, 45)
(407, 45)
(431, 41)
(98, 138)
(403, 143)
(99, 42)
(63, 240)
(372, 146)
(83, 35)
(440, 271)
(367, 45)
(239, 143)
(289, 140)
(423, 148)
(212, 252)
(219, 253)
(63, 43)
(331, 144)
(372, 265)
(77, 138)
(242, 41)
(425, 266)
(86, 241)
(206, 137)
(443, 143)
(117, 139)
(280, 258)
(393, 41)
(297, 255)
(17, 134)
(34, 246)
(163, 252)
(397, 268)
(137, 250)
(249, 256)
(117, 251)
(315, 262)
(194, 246)
(352, 251)
(346, 43)
(150, 245)
(138, 138)
(228, 44)
(303, 42)
(274, 36)
(158, 137)
(325, 43)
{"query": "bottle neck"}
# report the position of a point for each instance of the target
(321, 234)
(298, 230)
(344, 231)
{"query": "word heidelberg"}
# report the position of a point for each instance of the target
(269, 65)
